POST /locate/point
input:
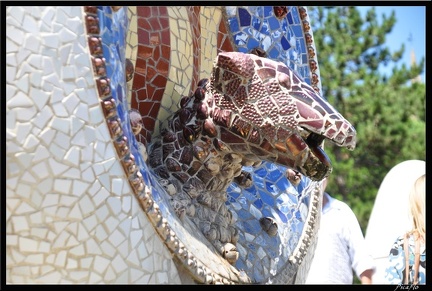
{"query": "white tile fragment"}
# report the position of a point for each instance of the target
(75, 213)
(36, 218)
(71, 264)
(47, 135)
(62, 139)
(11, 60)
(36, 12)
(27, 245)
(16, 12)
(126, 204)
(80, 83)
(50, 40)
(108, 249)
(57, 95)
(125, 226)
(10, 75)
(22, 130)
(48, 15)
(19, 100)
(73, 156)
(68, 73)
(78, 251)
(132, 258)
(65, 54)
(117, 186)
(90, 222)
(25, 114)
(36, 200)
(116, 238)
(101, 264)
(87, 153)
(61, 124)
(88, 175)
(41, 170)
(82, 112)
(12, 168)
(11, 182)
(60, 110)
(22, 55)
(137, 275)
(31, 142)
(111, 223)
(67, 36)
(19, 223)
(24, 69)
(47, 65)
(96, 115)
(56, 167)
(28, 178)
(10, 92)
(100, 197)
(79, 188)
(50, 199)
(87, 262)
(41, 153)
(86, 205)
(119, 264)
(30, 24)
(62, 186)
(60, 259)
(39, 98)
(69, 85)
(40, 232)
(114, 204)
(102, 132)
(11, 48)
(24, 158)
(70, 102)
(45, 185)
(35, 60)
(91, 245)
(16, 35)
(23, 83)
(110, 274)
(72, 241)
(77, 125)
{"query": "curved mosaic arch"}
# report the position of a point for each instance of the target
(149, 85)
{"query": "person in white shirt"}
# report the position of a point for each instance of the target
(341, 247)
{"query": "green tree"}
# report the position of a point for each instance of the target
(388, 112)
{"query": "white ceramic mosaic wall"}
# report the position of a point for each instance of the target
(71, 216)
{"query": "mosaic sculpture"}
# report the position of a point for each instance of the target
(171, 163)
(251, 110)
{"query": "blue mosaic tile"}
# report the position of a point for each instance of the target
(271, 194)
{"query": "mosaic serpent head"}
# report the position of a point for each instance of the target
(251, 109)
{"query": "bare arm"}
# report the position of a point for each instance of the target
(366, 276)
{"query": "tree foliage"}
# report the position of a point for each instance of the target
(388, 112)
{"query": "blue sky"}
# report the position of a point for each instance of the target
(410, 28)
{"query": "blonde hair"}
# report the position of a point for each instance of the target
(417, 202)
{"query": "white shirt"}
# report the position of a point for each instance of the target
(341, 247)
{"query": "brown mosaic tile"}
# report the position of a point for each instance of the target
(194, 20)
(152, 65)
(223, 41)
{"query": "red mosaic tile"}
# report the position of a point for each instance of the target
(152, 65)
(194, 20)
(223, 41)
(163, 66)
